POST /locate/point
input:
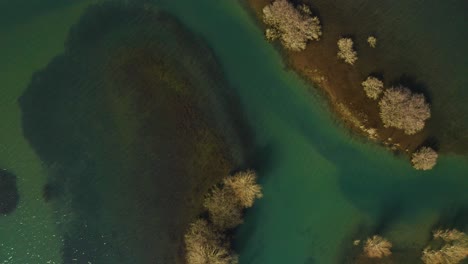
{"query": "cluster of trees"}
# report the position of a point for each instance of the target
(205, 240)
(399, 107)
(346, 51)
(424, 158)
(377, 247)
(448, 246)
(404, 110)
(293, 26)
(454, 248)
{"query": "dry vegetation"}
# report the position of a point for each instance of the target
(373, 87)
(206, 246)
(453, 251)
(205, 241)
(346, 51)
(244, 187)
(377, 247)
(401, 109)
(424, 159)
(372, 41)
(224, 209)
(293, 26)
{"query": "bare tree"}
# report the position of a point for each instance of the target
(225, 203)
(377, 247)
(372, 41)
(224, 209)
(401, 109)
(346, 51)
(204, 245)
(244, 186)
(294, 27)
(424, 158)
(373, 87)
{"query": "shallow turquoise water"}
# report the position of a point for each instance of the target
(321, 185)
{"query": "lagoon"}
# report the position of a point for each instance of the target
(323, 188)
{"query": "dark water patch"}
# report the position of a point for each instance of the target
(134, 123)
(455, 216)
(9, 196)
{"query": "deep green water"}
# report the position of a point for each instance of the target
(323, 188)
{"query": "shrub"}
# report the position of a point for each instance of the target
(373, 87)
(244, 186)
(401, 109)
(294, 27)
(346, 51)
(204, 245)
(224, 208)
(372, 41)
(377, 247)
(453, 251)
(424, 159)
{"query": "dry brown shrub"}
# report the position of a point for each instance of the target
(377, 247)
(346, 51)
(424, 159)
(372, 41)
(294, 27)
(244, 186)
(373, 87)
(224, 208)
(401, 109)
(204, 245)
(453, 251)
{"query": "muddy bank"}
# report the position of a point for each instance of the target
(341, 83)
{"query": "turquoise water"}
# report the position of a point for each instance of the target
(323, 188)
(320, 184)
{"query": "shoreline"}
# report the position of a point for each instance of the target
(344, 94)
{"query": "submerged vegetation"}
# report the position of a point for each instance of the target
(424, 159)
(453, 250)
(377, 247)
(206, 242)
(373, 87)
(9, 196)
(346, 50)
(404, 110)
(293, 26)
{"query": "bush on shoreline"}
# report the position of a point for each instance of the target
(294, 27)
(377, 247)
(401, 109)
(424, 158)
(453, 250)
(205, 245)
(373, 87)
(346, 51)
(205, 242)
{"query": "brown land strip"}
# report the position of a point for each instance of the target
(341, 83)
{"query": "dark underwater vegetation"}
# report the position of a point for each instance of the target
(134, 123)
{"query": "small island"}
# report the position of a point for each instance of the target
(385, 110)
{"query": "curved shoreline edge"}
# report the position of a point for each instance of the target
(340, 84)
